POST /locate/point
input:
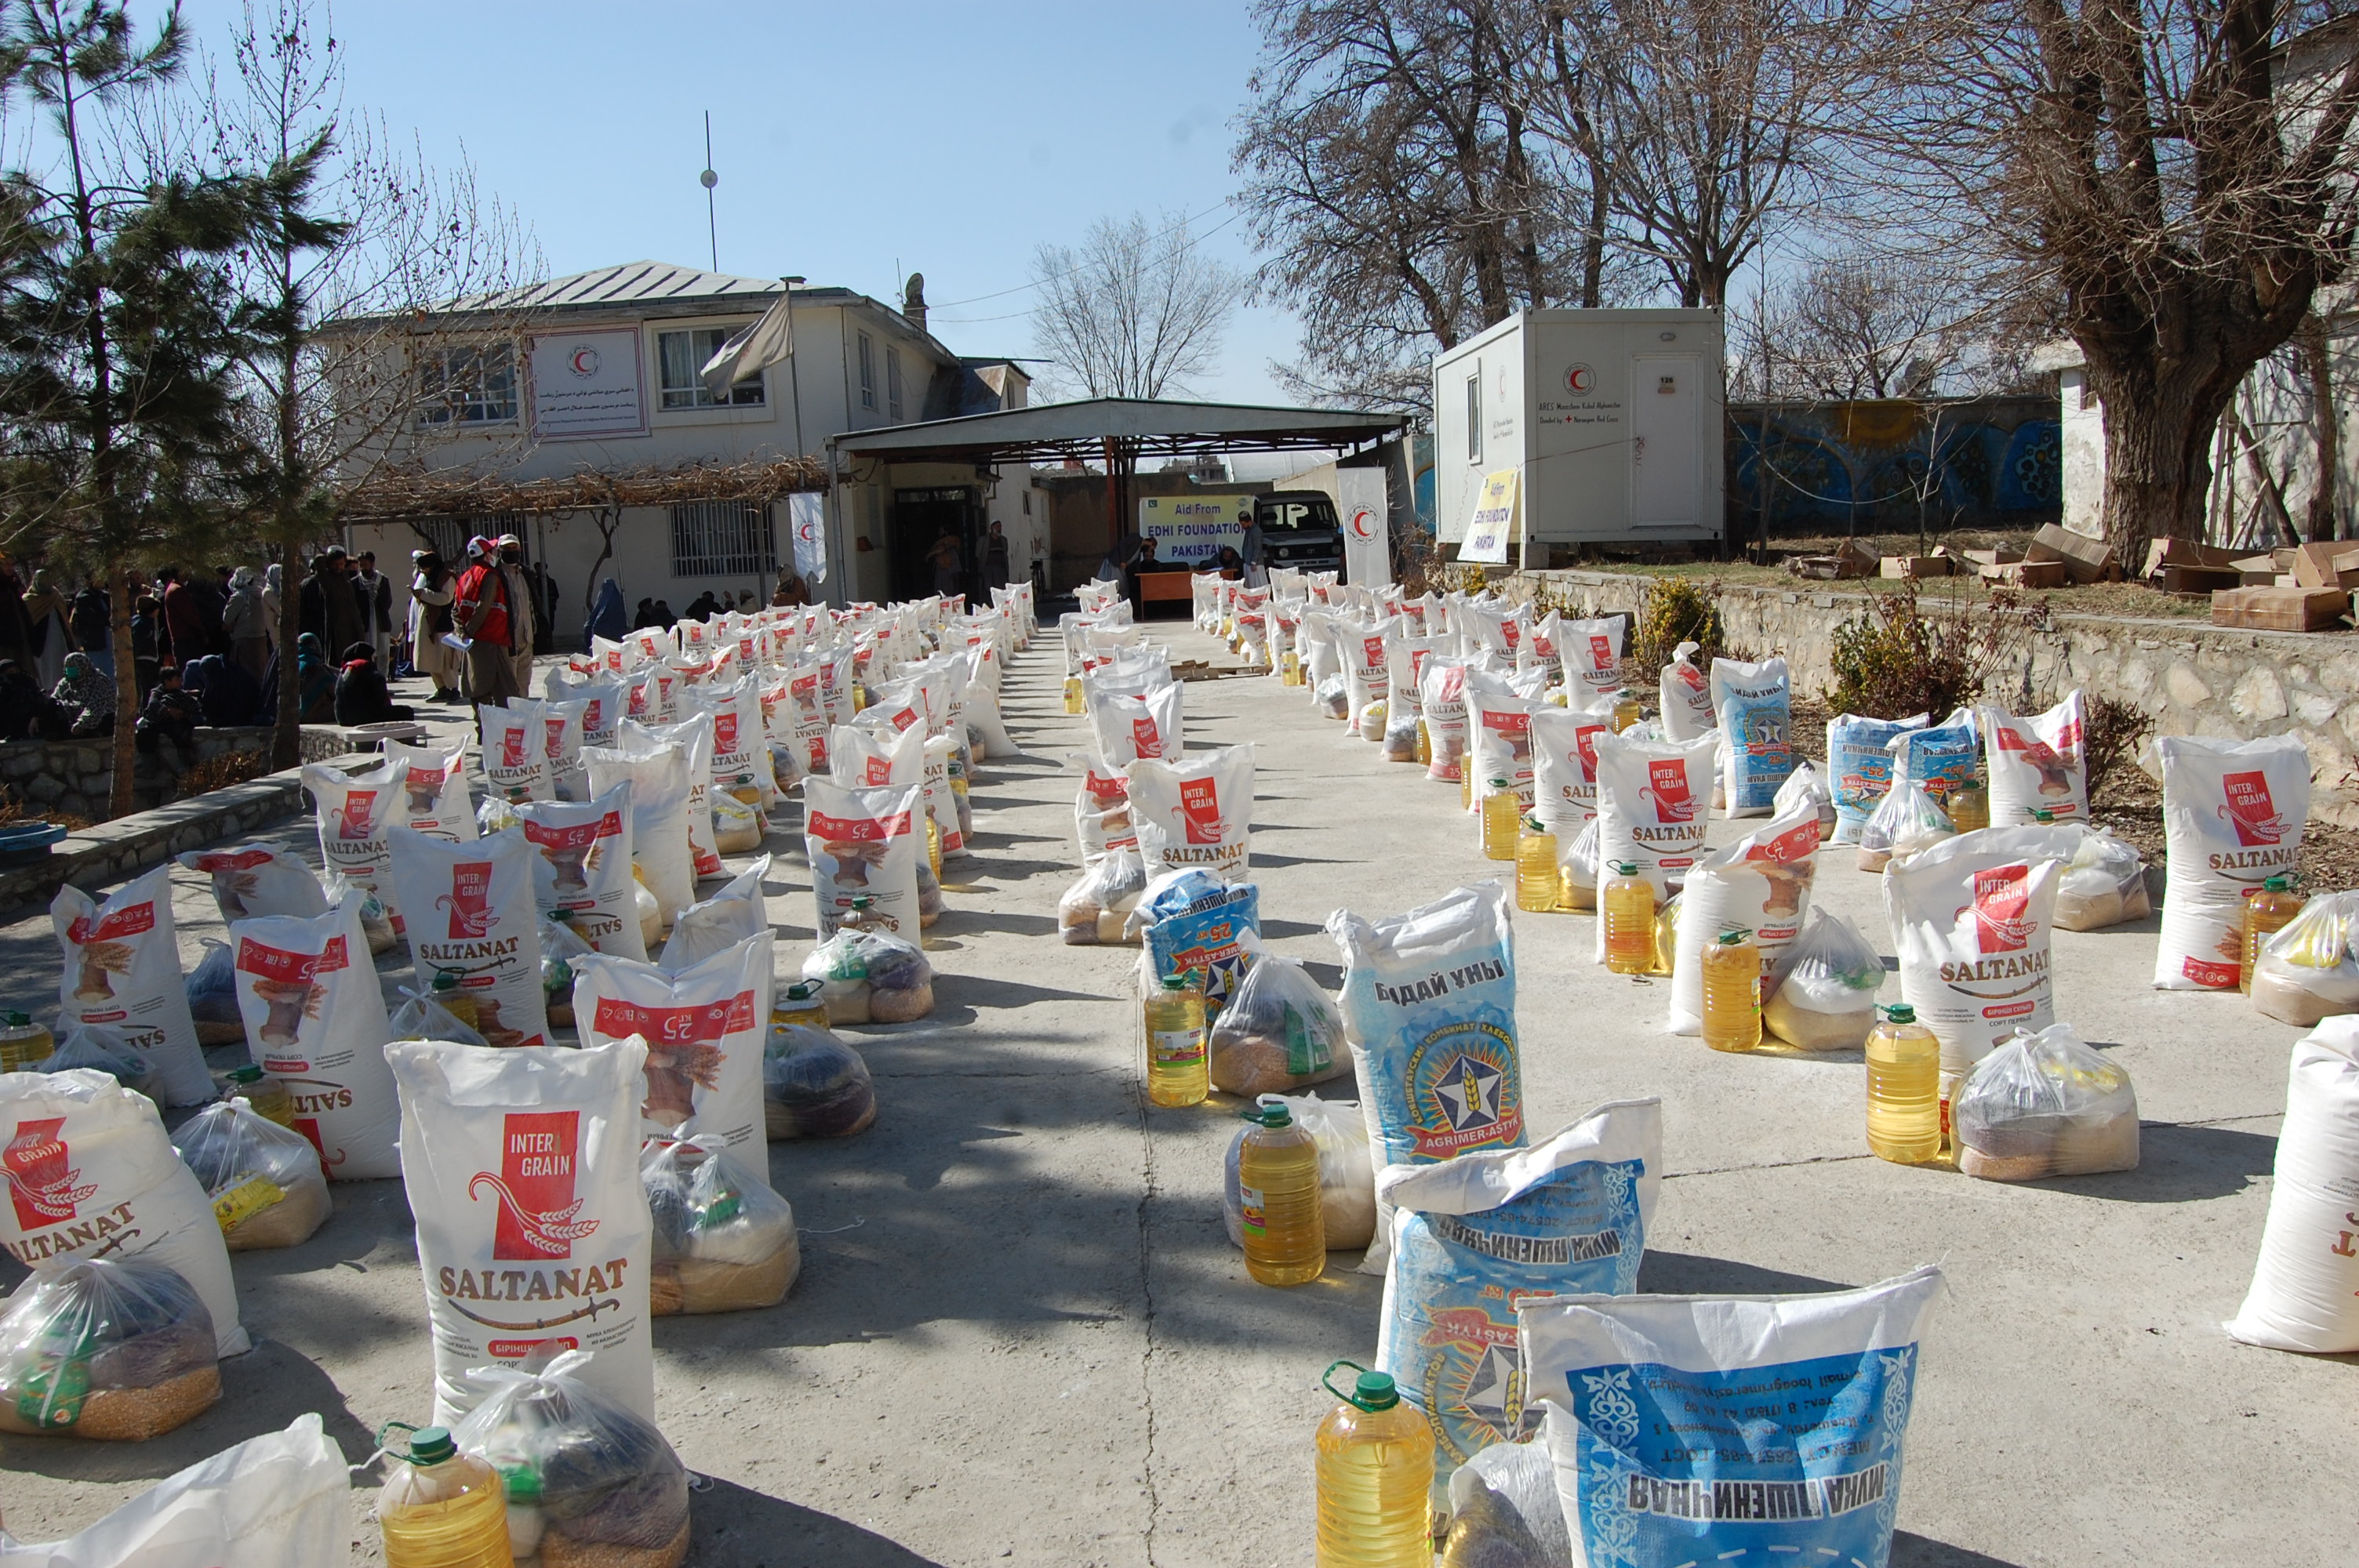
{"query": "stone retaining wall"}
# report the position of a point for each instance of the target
(2196, 679)
(76, 778)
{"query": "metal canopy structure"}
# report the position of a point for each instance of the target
(1134, 426)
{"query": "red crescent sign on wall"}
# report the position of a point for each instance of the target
(1580, 378)
(1361, 520)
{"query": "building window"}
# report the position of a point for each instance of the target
(1474, 416)
(470, 385)
(893, 385)
(684, 355)
(867, 372)
(721, 538)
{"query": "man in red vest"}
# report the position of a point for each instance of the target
(488, 619)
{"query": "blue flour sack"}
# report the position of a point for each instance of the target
(1754, 706)
(1944, 759)
(1859, 755)
(1474, 1236)
(1429, 1010)
(1739, 1429)
(1204, 932)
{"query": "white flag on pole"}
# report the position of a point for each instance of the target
(1368, 532)
(806, 512)
(751, 351)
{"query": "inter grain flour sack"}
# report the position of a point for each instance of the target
(2233, 812)
(91, 1174)
(1476, 1236)
(1441, 703)
(1652, 797)
(1195, 813)
(582, 865)
(1429, 1003)
(522, 1169)
(1564, 767)
(1592, 655)
(315, 1020)
(1686, 695)
(1972, 919)
(516, 752)
(1729, 1428)
(656, 775)
(121, 971)
(704, 1028)
(472, 923)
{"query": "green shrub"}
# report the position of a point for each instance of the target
(1677, 611)
(1899, 659)
(2111, 731)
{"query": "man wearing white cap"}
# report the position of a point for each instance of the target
(511, 551)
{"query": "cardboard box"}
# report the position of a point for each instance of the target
(1897, 566)
(2161, 553)
(2193, 579)
(2280, 609)
(2028, 574)
(2086, 559)
(2332, 564)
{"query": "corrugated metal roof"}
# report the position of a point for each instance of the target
(1153, 426)
(640, 282)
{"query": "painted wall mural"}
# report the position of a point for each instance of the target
(1870, 467)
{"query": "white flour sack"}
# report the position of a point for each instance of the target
(258, 878)
(434, 798)
(523, 1171)
(1197, 814)
(1592, 655)
(2233, 812)
(718, 924)
(695, 736)
(602, 699)
(1102, 822)
(1564, 768)
(865, 843)
(943, 802)
(1754, 705)
(91, 1174)
(1499, 730)
(870, 756)
(1652, 798)
(356, 810)
(740, 764)
(658, 777)
(1973, 917)
(1743, 1429)
(472, 920)
(1475, 1236)
(704, 1027)
(122, 971)
(1127, 727)
(2305, 1293)
(582, 864)
(2036, 763)
(1761, 883)
(1363, 645)
(516, 752)
(315, 1019)
(1428, 1002)
(1686, 695)
(1441, 703)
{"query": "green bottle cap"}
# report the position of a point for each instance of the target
(15, 1021)
(249, 1074)
(522, 1483)
(1625, 868)
(1732, 936)
(1900, 1012)
(2043, 814)
(1178, 982)
(1535, 825)
(2274, 884)
(1375, 1392)
(860, 903)
(1498, 783)
(431, 1446)
(803, 991)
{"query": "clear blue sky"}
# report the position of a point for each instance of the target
(852, 140)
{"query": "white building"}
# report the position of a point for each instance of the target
(595, 375)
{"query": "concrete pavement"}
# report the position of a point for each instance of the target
(1021, 1336)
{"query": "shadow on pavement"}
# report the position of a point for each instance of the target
(1688, 1274)
(1909, 1551)
(2178, 1163)
(735, 1528)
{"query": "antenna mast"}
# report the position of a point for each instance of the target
(709, 180)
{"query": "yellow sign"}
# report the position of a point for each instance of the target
(1494, 519)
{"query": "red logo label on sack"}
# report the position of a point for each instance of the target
(1506, 723)
(512, 746)
(725, 734)
(1584, 740)
(637, 703)
(132, 922)
(2249, 810)
(2001, 897)
(1200, 806)
(41, 1183)
(880, 772)
(1143, 735)
(534, 1188)
(857, 830)
(241, 860)
(904, 718)
(1791, 845)
(1512, 632)
(581, 836)
(1600, 652)
(1667, 787)
(357, 819)
(291, 968)
(552, 737)
(615, 1019)
(469, 898)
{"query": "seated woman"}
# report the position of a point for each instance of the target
(86, 696)
(315, 681)
(225, 690)
(361, 696)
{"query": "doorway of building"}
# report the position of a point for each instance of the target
(919, 518)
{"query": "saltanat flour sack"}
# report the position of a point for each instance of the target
(1592, 652)
(865, 843)
(472, 920)
(2036, 763)
(91, 1174)
(258, 878)
(123, 972)
(582, 865)
(1729, 1428)
(1429, 1003)
(1102, 822)
(2305, 1292)
(516, 752)
(1441, 703)
(704, 1027)
(355, 812)
(1564, 768)
(433, 785)
(1761, 883)
(1972, 918)
(315, 1019)
(1195, 813)
(1685, 693)
(522, 1169)
(1499, 737)
(659, 781)
(1754, 706)
(2233, 812)
(1652, 800)
(693, 735)
(1474, 1237)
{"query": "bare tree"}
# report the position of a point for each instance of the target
(1133, 310)
(1854, 327)
(2180, 172)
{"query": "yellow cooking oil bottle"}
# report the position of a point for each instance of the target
(1424, 745)
(1375, 1478)
(1968, 807)
(1072, 694)
(442, 1508)
(1628, 902)
(264, 1095)
(1277, 1185)
(1732, 992)
(1178, 1070)
(1500, 815)
(1538, 882)
(1904, 1089)
(23, 1043)
(1626, 710)
(2266, 913)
